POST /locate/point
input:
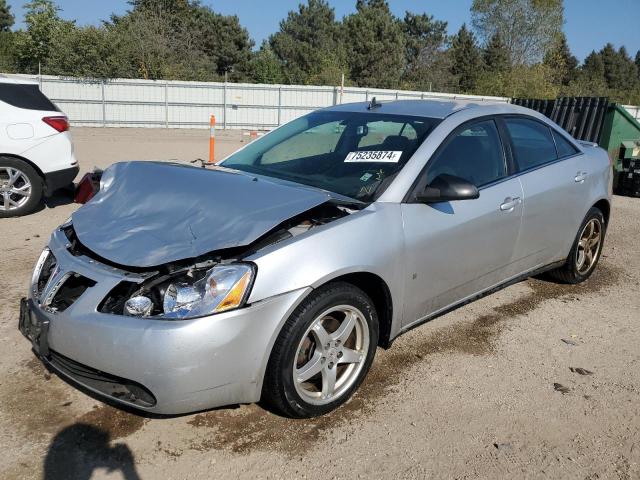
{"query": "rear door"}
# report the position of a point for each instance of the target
(553, 179)
(456, 249)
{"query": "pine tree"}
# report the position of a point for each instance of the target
(375, 45)
(637, 62)
(618, 67)
(466, 59)
(6, 17)
(593, 67)
(561, 62)
(496, 55)
(308, 40)
(422, 32)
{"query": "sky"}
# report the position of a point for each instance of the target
(589, 24)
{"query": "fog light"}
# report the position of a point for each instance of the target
(138, 306)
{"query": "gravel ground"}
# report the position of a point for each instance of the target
(492, 390)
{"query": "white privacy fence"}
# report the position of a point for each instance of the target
(176, 104)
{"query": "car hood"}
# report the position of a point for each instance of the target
(150, 213)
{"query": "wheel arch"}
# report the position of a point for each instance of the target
(27, 161)
(379, 293)
(605, 207)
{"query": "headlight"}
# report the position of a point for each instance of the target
(222, 288)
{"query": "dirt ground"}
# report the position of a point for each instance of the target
(492, 390)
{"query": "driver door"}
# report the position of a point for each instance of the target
(456, 249)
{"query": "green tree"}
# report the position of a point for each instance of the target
(466, 59)
(162, 39)
(83, 52)
(221, 38)
(637, 62)
(422, 33)
(174, 7)
(308, 43)
(561, 61)
(7, 52)
(527, 27)
(427, 64)
(375, 46)
(530, 81)
(619, 69)
(265, 67)
(593, 67)
(496, 56)
(6, 17)
(43, 23)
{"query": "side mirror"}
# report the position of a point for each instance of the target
(445, 188)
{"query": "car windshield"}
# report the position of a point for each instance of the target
(350, 153)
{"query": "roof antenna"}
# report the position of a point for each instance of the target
(373, 104)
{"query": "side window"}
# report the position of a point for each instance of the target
(25, 96)
(532, 142)
(319, 140)
(475, 154)
(565, 149)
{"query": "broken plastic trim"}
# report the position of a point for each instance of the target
(188, 269)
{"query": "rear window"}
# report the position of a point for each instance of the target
(25, 96)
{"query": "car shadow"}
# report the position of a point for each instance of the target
(63, 196)
(80, 449)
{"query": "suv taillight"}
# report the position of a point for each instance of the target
(60, 123)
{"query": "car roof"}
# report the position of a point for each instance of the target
(431, 108)
(17, 80)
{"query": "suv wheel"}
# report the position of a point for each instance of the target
(586, 250)
(20, 188)
(323, 352)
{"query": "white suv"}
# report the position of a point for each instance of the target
(36, 153)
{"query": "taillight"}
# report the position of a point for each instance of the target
(60, 123)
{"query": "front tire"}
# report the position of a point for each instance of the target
(323, 352)
(586, 250)
(20, 188)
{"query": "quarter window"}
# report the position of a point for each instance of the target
(475, 154)
(532, 142)
(25, 96)
(564, 147)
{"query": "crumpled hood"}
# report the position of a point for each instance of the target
(150, 213)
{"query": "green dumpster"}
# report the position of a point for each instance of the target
(619, 127)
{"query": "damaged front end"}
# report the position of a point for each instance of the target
(212, 283)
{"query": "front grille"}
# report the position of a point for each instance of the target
(46, 267)
(70, 290)
(56, 289)
(116, 387)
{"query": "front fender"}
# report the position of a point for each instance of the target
(370, 240)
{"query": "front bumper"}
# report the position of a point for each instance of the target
(181, 366)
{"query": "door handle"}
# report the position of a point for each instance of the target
(580, 176)
(510, 203)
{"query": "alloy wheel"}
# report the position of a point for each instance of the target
(331, 354)
(588, 246)
(15, 188)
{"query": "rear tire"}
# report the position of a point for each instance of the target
(322, 353)
(20, 188)
(586, 250)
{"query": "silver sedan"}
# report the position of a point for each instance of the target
(276, 274)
